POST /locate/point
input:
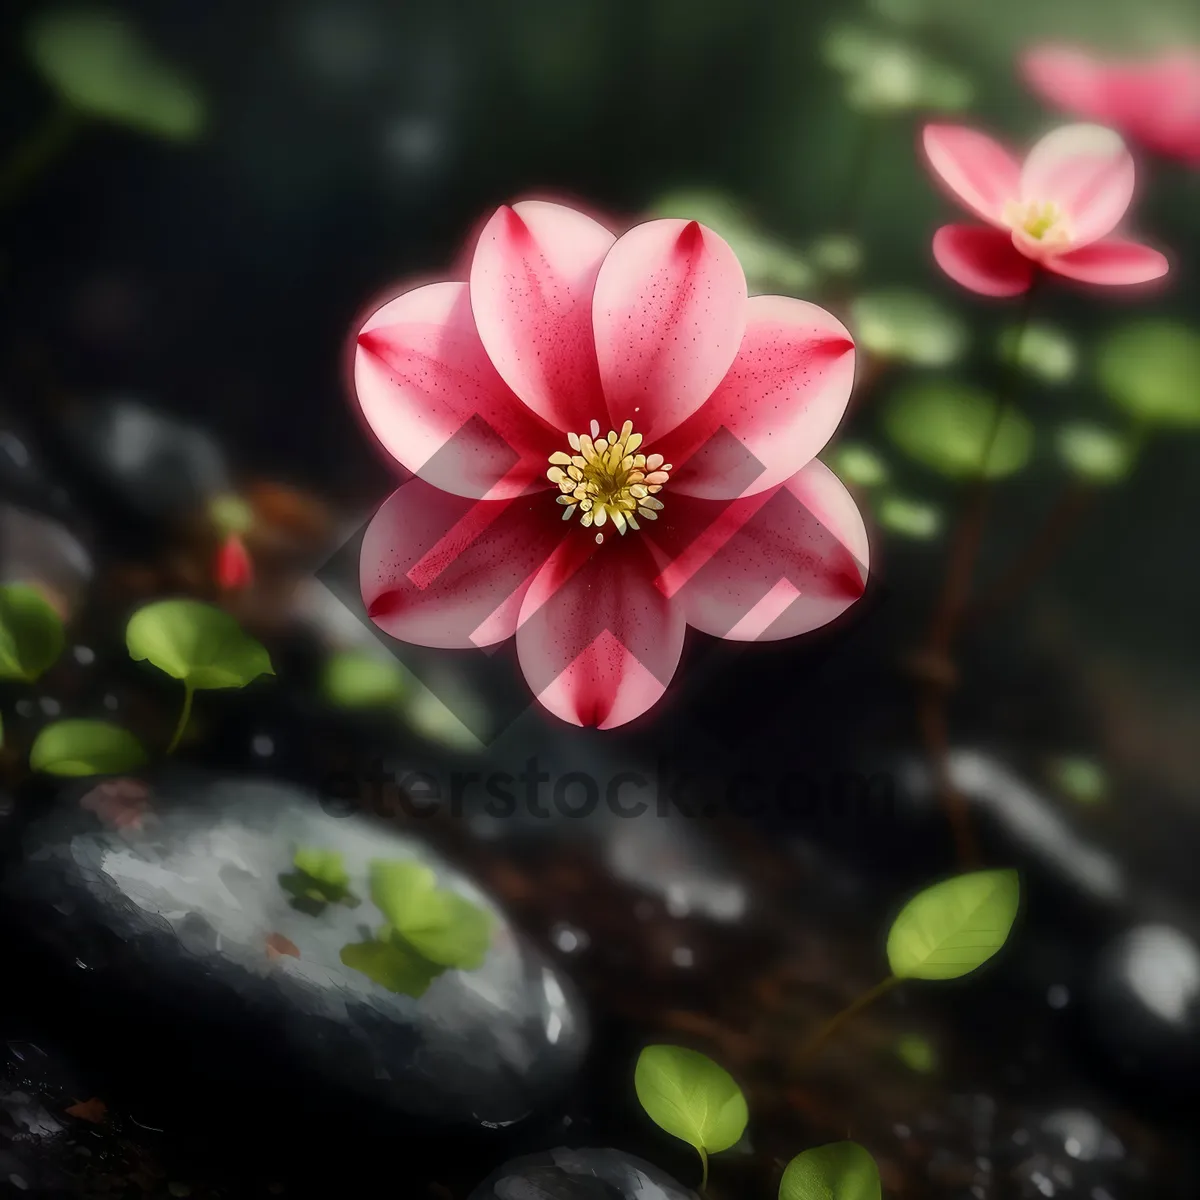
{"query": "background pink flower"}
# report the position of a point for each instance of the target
(1153, 101)
(611, 441)
(1056, 210)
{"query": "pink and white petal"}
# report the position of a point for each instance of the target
(451, 572)
(1087, 171)
(532, 278)
(598, 643)
(765, 567)
(1071, 79)
(976, 170)
(669, 313)
(433, 399)
(775, 409)
(1111, 261)
(982, 259)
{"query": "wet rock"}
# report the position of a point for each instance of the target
(183, 912)
(580, 1175)
(35, 549)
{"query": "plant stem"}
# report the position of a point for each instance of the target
(935, 660)
(35, 153)
(184, 715)
(852, 1009)
(703, 1168)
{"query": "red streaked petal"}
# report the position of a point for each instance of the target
(1110, 261)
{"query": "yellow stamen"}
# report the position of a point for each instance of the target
(1043, 221)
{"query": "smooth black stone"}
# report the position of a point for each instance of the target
(589, 1174)
(173, 917)
(35, 549)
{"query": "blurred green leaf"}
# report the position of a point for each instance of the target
(917, 1053)
(837, 254)
(197, 643)
(841, 1171)
(231, 514)
(858, 464)
(1045, 352)
(80, 747)
(387, 963)
(691, 1097)
(914, 519)
(1080, 779)
(31, 633)
(355, 679)
(100, 64)
(907, 326)
(946, 426)
(1151, 369)
(953, 927)
(1095, 454)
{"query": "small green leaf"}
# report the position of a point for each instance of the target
(858, 464)
(31, 634)
(325, 866)
(99, 63)
(387, 963)
(917, 1053)
(907, 326)
(1151, 369)
(1080, 779)
(841, 1171)
(356, 680)
(953, 927)
(1095, 454)
(946, 426)
(197, 643)
(1045, 352)
(692, 1098)
(836, 254)
(909, 518)
(79, 747)
(231, 514)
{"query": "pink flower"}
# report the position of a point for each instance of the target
(1054, 211)
(232, 567)
(610, 442)
(1152, 101)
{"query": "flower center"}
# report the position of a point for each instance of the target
(607, 480)
(1041, 220)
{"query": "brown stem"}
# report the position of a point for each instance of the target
(852, 1009)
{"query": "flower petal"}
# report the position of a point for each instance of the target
(1070, 79)
(768, 566)
(597, 642)
(1110, 261)
(983, 260)
(776, 407)
(669, 313)
(531, 289)
(432, 397)
(450, 572)
(1088, 172)
(977, 171)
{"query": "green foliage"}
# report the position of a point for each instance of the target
(955, 926)
(31, 634)
(1097, 455)
(353, 679)
(320, 878)
(231, 514)
(907, 326)
(691, 1097)
(858, 464)
(841, 1171)
(1151, 369)
(915, 519)
(80, 747)
(1044, 352)
(770, 265)
(1080, 779)
(836, 254)
(392, 965)
(946, 426)
(99, 64)
(197, 643)
(917, 1053)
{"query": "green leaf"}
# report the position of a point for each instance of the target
(1045, 352)
(907, 326)
(1151, 369)
(231, 514)
(440, 925)
(99, 63)
(320, 879)
(356, 680)
(836, 254)
(858, 464)
(325, 866)
(197, 643)
(841, 1171)
(80, 747)
(953, 927)
(692, 1098)
(31, 634)
(909, 518)
(389, 964)
(946, 426)
(1095, 454)
(1080, 779)
(886, 75)
(917, 1053)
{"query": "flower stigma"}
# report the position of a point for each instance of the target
(606, 480)
(1041, 220)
